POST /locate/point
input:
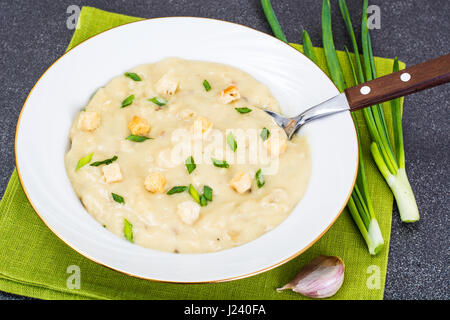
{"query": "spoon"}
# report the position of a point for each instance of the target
(416, 78)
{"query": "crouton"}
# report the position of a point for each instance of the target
(166, 86)
(229, 95)
(139, 126)
(275, 145)
(88, 121)
(241, 182)
(188, 211)
(201, 124)
(112, 173)
(155, 182)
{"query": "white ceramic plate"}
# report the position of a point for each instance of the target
(65, 88)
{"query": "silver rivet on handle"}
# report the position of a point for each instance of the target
(365, 90)
(405, 77)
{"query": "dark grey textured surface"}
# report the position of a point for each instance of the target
(33, 34)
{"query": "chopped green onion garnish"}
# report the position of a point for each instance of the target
(132, 76)
(265, 134)
(117, 198)
(84, 161)
(206, 85)
(158, 101)
(134, 138)
(231, 142)
(128, 230)
(190, 164)
(177, 189)
(203, 201)
(243, 110)
(208, 193)
(220, 163)
(259, 178)
(127, 101)
(107, 161)
(194, 194)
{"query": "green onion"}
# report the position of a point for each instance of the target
(390, 161)
(329, 49)
(396, 111)
(348, 25)
(359, 204)
(273, 21)
(203, 201)
(208, 193)
(135, 138)
(231, 142)
(397, 179)
(194, 194)
(128, 101)
(243, 110)
(206, 85)
(118, 198)
(177, 189)
(128, 230)
(265, 134)
(107, 161)
(158, 101)
(190, 164)
(308, 48)
(220, 163)
(84, 161)
(259, 178)
(133, 76)
(352, 66)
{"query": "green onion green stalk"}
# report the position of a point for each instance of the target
(388, 155)
(360, 203)
(308, 47)
(273, 21)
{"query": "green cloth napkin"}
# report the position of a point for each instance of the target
(34, 262)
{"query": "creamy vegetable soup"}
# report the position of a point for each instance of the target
(179, 156)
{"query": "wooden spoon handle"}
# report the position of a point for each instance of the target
(416, 78)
